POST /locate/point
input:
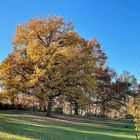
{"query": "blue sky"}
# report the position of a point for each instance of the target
(114, 23)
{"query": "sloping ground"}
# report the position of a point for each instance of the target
(15, 125)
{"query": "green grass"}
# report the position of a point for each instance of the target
(15, 125)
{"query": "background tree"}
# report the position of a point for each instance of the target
(134, 107)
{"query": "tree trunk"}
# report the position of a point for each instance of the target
(95, 113)
(13, 103)
(44, 108)
(70, 109)
(76, 108)
(42, 105)
(103, 110)
(34, 106)
(49, 108)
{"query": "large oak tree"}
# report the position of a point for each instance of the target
(49, 59)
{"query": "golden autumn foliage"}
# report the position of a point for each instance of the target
(134, 107)
(49, 59)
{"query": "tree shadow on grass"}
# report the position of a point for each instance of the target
(54, 131)
(104, 123)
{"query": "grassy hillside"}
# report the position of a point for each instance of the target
(15, 125)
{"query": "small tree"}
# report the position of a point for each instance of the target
(134, 107)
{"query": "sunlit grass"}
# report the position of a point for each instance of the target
(8, 136)
(25, 126)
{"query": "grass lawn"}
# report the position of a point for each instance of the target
(18, 125)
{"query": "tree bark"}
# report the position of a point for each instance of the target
(42, 105)
(76, 108)
(44, 108)
(103, 110)
(13, 103)
(49, 107)
(71, 109)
